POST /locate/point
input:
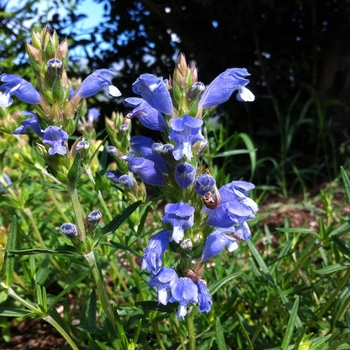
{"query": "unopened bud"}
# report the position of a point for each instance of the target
(93, 219)
(70, 230)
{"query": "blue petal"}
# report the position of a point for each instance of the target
(55, 137)
(154, 91)
(204, 298)
(222, 87)
(29, 124)
(95, 82)
(147, 171)
(184, 175)
(148, 116)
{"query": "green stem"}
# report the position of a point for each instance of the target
(136, 277)
(99, 195)
(38, 312)
(58, 206)
(191, 330)
(64, 334)
(101, 292)
(73, 193)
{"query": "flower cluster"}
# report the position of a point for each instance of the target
(199, 220)
(58, 105)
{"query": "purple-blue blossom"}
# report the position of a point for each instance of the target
(93, 219)
(180, 216)
(204, 297)
(22, 89)
(56, 138)
(163, 279)
(69, 229)
(154, 91)
(235, 207)
(183, 291)
(93, 114)
(32, 123)
(184, 175)
(148, 172)
(216, 242)
(148, 116)
(204, 183)
(144, 146)
(95, 82)
(185, 131)
(153, 254)
(222, 87)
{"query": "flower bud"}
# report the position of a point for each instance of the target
(92, 220)
(70, 230)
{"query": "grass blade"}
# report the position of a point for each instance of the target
(290, 326)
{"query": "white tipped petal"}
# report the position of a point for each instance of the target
(114, 91)
(245, 95)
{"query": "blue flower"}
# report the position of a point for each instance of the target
(29, 124)
(147, 171)
(204, 183)
(148, 116)
(163, 279)
(119, 178)
(185, 131)
(154, 91)
(183, 291)
(184, 175)
(95, 82)
(180, 216)
(235, 206)
(204, 297)
(144, 146)
(56, 138)
(153, 254)
(222, 87)
(7, 180)
(93, 114)
(22, 89)
(216, 242)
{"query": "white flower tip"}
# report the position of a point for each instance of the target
(245, 95)
(232, 247)
(5, 100)
(114, 91)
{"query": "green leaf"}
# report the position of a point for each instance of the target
(122, 247)
(213, 288)
(299, 230)
(120, 218)
(220, 339)
(290, 326)
(41, 251)
(333, 268)
(343, 247)
(13, 312)
(57, 90)
(246, 335)
(346, 181)
(75, 171)
(9, 258)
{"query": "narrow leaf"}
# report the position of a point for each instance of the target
(290, 326)
(216, 286)
(13, 312)
(120, 218)
(220, 339)
(246, 335)
(346, 181)
(333, 268)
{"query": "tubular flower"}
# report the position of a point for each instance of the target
(95, 82)
(32, 123)
(154, 91)
(163, 279)
(148, 116)
(216, 242)
(180, 216)
(183, 291)
(184, 175)
(222, 87)
(185, 131)
(147, 171)
(153, 254)
(22, 89)
(55, 137)
(204, 183)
